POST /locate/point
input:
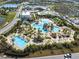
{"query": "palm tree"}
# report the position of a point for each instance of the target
(67, 45)
(3, 12)
(38, 38)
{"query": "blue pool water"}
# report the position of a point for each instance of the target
(9, 6)
(20, 42)
(56, 29)
(39, 26)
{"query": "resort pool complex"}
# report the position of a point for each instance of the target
(9, 6)
(20, 42)
(39, 26)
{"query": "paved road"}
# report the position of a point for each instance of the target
(74, 56)
(10, 25)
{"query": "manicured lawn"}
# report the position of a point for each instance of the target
(59, 21)
(11, 2)
(8, 18)
(56, 19)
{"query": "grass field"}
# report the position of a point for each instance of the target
(8, 18)
(56, 19)
(11, 2)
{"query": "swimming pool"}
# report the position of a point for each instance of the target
(55, 29)
(9, 6)
(20, 42)
(39, 26)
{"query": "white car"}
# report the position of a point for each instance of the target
(67, 56)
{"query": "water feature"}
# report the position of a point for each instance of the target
(39, 26)
(20, 42)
